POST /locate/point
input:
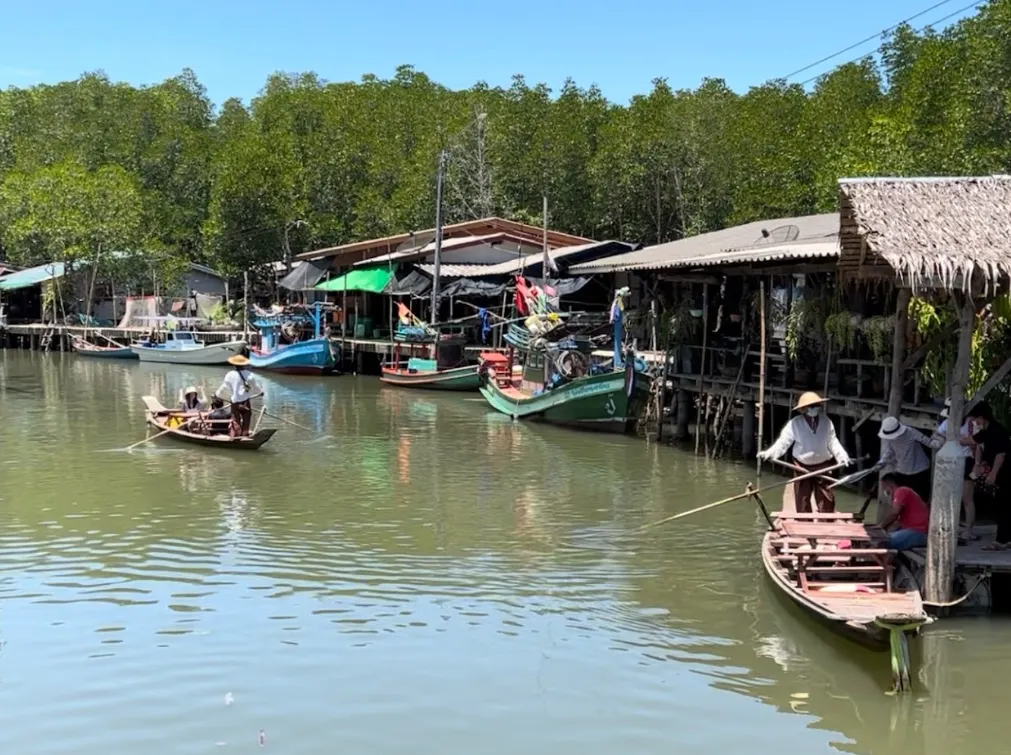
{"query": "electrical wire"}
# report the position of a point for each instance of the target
(974, 4)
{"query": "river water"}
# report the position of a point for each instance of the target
(417, 575)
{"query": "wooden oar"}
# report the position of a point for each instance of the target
(750, 491)
(797, 468)
(158, 435)
(263, 410)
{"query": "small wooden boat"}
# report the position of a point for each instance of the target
(86, 348)
(182, 347)
(841, 573)
(191, 428)
(447, 371)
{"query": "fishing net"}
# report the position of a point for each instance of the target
(139, 308)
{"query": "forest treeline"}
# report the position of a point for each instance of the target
(92, 166)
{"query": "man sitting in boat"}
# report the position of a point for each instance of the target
(909, 515)
(191, 401)
(239, 383)
(812, 436)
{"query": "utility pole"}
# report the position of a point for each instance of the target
(438, 237)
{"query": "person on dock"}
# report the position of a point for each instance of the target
(992, 470)
(812, 436)
(239, 383)
(903, 451)
(191, 401)
(968, 485)
(909, 518)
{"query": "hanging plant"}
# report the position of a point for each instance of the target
(879, 333)
(842, 328)
(679, 325)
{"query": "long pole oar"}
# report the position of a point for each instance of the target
(157, 435)
(263, 410)
(750, 491)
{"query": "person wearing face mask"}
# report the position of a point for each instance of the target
(904, 451)
(812, 437)
(992, 471)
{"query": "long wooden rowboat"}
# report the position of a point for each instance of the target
(454, 379)
(162, 419)
(89, 349)
(842, 573)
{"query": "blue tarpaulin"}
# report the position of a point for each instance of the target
(31, 276)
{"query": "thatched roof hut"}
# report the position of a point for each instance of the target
(927, 232)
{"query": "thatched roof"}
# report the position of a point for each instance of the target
(926, 232)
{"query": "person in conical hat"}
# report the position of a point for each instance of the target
(239, 384)
(812, 437)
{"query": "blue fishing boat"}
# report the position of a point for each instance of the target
(309, 356)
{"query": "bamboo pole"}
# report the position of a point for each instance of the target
(761, 371)
(749, 491)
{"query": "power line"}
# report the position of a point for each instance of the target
(925, 26)
(974, 4)
(868, 39)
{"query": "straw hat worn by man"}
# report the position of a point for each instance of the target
(812, 436)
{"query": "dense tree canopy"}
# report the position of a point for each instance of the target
(90, 164)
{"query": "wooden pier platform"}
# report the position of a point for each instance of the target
(971, 557)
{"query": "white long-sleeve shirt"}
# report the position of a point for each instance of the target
(810, 446)
(239, 383)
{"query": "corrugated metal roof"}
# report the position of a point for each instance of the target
(761, 241)
(31, 276)
(461, 242)
(466, 228)
(510, 267)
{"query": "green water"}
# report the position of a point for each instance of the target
(423, 576)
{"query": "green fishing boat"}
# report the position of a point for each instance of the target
(557, 381)
(607, 402)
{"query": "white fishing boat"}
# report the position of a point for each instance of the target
(182, 347)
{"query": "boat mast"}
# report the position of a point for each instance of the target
(438, 237)
(546, 263)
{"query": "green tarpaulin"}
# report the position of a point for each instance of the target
(373, 280)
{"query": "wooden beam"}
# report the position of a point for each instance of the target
(988, 386)
(899, 351)
(932, 343)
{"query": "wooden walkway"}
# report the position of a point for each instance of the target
(971, 557)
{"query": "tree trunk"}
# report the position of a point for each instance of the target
(949, 466)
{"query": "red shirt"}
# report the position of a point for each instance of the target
(913, 512)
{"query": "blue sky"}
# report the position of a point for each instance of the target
(233, 46)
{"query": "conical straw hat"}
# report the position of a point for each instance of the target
(810, 398)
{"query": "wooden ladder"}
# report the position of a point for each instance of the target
(47, 339)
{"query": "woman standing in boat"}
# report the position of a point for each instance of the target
(812, 436)
(239, 383)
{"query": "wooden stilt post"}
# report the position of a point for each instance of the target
(702, 416)
(948, 471)
(761, 369)
(895, 381)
